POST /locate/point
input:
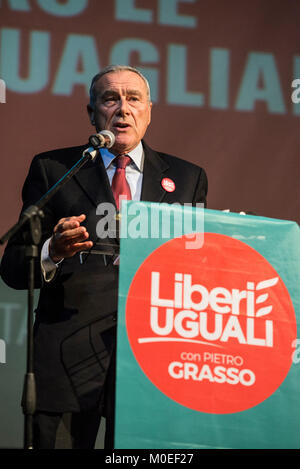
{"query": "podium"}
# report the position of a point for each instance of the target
(208, 354)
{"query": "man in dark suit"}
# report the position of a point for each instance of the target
(75, 322)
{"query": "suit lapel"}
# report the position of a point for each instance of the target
(94, 181)
(154, 168)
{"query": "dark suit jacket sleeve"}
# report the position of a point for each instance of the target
(13, 265)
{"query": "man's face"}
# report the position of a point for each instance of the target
(121, 106)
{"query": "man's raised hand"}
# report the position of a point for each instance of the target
(68, 238)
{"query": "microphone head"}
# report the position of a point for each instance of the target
(103, 139)
(109, 138)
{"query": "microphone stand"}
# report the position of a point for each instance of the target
(32, 217)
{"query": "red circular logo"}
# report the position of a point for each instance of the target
(211, 328)
(168, 184)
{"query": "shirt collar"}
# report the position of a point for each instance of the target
(137, 156)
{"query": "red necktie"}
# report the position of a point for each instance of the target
(119, 183)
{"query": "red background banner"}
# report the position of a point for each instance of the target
(221, 76)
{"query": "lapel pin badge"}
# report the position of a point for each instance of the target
(168, 184)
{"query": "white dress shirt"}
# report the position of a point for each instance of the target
(134, 176)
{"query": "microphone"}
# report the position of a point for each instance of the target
(104, 139)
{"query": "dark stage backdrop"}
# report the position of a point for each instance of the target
(221, 74)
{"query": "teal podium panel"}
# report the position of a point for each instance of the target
(208, 355)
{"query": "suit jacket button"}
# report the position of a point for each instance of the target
(114, 318)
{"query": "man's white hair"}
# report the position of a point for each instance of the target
(112, 69)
